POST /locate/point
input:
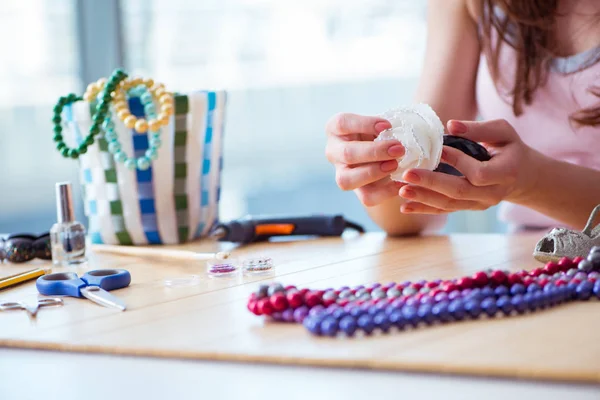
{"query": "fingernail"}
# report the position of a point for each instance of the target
(399, 185)
(457, 127)
(407, 209)
(396, 150)
(382, 126)
(408, 193)
(412, 177)
(389, 166)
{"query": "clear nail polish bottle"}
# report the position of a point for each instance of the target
(67, 235)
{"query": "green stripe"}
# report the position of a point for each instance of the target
(181, 104)
(181, 202)
(180, 170)
(180, 165)
(180, 138)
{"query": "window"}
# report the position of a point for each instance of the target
(288, 66)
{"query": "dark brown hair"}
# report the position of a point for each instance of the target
(532, 24)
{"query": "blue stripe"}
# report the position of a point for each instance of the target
(204, 179)
(144, 178)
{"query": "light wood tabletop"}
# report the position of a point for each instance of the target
(192, 326)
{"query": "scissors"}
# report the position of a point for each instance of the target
(31, 310)
(93, 285)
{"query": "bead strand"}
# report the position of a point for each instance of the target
(489, 293)
(101, 110)
(115, 147)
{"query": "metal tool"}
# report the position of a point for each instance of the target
(31, 309)
(258, 228)
(94, 285)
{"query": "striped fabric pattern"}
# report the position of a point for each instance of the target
(99, 185)
(144, 180)
(203, 226)
(176, 199)
(181, 164)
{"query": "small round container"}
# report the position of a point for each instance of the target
(221, 268)
(259, 265)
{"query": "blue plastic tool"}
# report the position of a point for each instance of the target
(94, 285)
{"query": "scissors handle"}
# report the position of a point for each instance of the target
(108, 279)
(60, 283)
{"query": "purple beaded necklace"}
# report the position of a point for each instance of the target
(411, 305)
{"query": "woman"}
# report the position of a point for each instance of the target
(531, 71)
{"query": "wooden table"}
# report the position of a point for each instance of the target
(169, 339)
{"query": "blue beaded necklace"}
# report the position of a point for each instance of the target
(115, 147)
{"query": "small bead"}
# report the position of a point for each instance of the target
(502, 290)
(584, 290)
(60, 146)
(300, 313)
(56, 119)
(498, 277)
(518, 304)
(65, 152)
(381, 321)
(166, 109)
(365, 323)
(504, 304)
(278, 301)
(82, 148)
(146, 98)
(456, 309)
(424, 313)
(480, 278)
(473, 308)
(378, 293)
(149, 109)
(141, 126)
(114, 147)
(313, 324)
(89, 140)
(130, 121)
(73, 153)
(410, 315)
(130, 164)
(533, 288)
(154, 125)
(397, 319)
(348, 325)
(488, 305)
(57, 138)
(275, 288)
(440, 312)
(155, 142)
(517, 289)
(110, 136)
(120, 157)
(586, 265)
(487, 291)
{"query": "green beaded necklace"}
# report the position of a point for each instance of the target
(100, 115)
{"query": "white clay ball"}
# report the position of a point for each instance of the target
(420, 131)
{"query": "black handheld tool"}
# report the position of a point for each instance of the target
(468, 147)
(259, 228)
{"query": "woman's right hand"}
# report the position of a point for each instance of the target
(362, 164)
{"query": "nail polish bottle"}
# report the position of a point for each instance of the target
(68, 237)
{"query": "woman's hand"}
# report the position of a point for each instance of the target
(361, 164)
(509, 175)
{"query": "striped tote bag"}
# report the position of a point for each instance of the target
(176, 199)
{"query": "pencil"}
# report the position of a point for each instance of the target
(13, 280)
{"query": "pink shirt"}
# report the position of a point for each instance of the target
(544, 124)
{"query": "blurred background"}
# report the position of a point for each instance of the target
(288, 66)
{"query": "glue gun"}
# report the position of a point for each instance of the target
(259, 228)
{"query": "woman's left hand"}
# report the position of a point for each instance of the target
(509, 175)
